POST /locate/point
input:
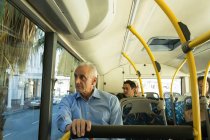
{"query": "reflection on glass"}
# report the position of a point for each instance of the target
(21, 51)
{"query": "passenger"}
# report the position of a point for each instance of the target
(129, 88)
(202, 107)
(188, 113)
(88, 105)
(200, 85)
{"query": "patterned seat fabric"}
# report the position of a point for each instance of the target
(179, 111)
(142, 118)
(169, 111)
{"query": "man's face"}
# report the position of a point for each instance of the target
(200, 86)
(128, 91)
(84, 82)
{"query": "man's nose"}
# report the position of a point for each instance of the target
(125, 90)
(77, 80)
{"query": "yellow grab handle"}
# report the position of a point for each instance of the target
(192, 70)
(180, 66)
(199, 40)
(151, 57)
(66, 136)
(132, 63)
(205, 80)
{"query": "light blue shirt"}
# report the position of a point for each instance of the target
(102, 108)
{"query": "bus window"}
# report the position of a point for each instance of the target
(150, 85)
(64, 83)
(21, 45)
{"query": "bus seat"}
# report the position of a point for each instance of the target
(179, 109)
(167, 94)
(152, 95)
(139, 111)
(169, 110)
(188, 108)
(189, 118)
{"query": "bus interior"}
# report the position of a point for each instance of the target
(162, 45)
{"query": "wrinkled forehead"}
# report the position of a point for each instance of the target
(82, 70)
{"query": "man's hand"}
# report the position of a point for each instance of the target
(79, 126)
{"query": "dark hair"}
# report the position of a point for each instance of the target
(131, 83)
(202, 77)
(208, 80)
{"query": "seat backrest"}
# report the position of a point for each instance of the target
(188, 110)
(136, 105)
(188, 103)
(152, 95)
(179, 109)
(170, 109)
(175, 94)
(139, 110)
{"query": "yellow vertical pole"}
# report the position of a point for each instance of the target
(205, 80)
(151, 57)
(192, 70)
(172, 81)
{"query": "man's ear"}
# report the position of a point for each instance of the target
(94, 81)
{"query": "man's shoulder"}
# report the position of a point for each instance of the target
(106, 94)
(70, 96)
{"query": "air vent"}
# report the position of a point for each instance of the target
(163, 43)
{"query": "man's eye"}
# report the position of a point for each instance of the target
(82, 77)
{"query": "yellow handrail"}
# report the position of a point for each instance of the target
(205, 79)
(180, 66)
(66, 136)
(132, 63)
(192, 70)
(199, 40)
(151, 57)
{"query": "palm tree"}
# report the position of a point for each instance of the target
(17, 35)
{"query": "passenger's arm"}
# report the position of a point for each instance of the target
(64, 115)
(80, 126)
(64, 119)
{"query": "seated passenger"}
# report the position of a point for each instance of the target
(200, 85)
(88, 105)
(129, 88)
(188, 113)
(186, 108)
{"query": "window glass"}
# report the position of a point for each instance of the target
(64, 83)
(21, 51)
(151, 85)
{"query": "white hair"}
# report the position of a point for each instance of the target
(93, 70)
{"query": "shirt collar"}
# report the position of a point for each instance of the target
(95, 94)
